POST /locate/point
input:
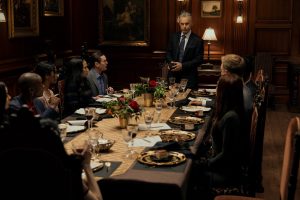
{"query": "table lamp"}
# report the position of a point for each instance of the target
(2, 16)
(209, 35)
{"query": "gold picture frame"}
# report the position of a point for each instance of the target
(124, 23)
(53, 7)
(211, 9)
(23, 18)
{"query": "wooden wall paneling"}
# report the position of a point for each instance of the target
(227, 45)
(159, 30)
(274, 40)
(240, 30)
(218, 24)
(270, 11)
(295, 44)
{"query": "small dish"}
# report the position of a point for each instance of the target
(104, 145)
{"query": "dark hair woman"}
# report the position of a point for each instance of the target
(78, 92)
(4, 102)
(227, 126)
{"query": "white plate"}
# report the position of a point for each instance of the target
(195, 108)
(100, 111)
(208, 90)
(74, 129)
(80, 111)
(77, 122)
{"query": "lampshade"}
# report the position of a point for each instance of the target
(239, 19)
(209, 34)
(2, 17)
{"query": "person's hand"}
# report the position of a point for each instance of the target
(176, 66)
(110, 90)
(195, 103)
(87, 155)
(54, 101)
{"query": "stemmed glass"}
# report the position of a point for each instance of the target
(94, 136)
(148, 117)
(132, 130)
(132, 88)
(183, 83)
(89, 114)
(127, 138)
(171, 81)
(158, 108)
(172, 93)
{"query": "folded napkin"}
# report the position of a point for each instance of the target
(100, 111)
(199, 99)
(144, 142)
(80, 111)
(105, 99)
(77, 122)
(208, 90)
(154, 126)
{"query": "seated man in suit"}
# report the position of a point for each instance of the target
(97, 76)
(185, 52)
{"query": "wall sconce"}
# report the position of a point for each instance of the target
(209, 35)
(2, 16)
(239, 18)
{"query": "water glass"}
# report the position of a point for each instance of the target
(90, 114)
(171, 81)
(148, 117)
(94, 136)
(158, 108)
(62, 131)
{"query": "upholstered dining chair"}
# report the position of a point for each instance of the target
(289, 173)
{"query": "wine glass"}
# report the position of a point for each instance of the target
(62, 131)
(89, 114)
(171, 81)
(183, 83)
(94, 136)
(148, 117)
(172, 94)
(158, 108)
(126, 137)
(79, 146)
(132, 130)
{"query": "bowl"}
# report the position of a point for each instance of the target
(105, 145)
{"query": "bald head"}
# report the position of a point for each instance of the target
(31, 84)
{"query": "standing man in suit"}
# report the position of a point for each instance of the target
(185, 52)
(97, 76)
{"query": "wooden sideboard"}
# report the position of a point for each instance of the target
(208, 77)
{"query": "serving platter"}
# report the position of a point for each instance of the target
(176, 136)
(179, 120)
(149, 158)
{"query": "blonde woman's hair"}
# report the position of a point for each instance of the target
(234, 64)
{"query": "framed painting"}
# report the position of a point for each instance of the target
(53, 7)
(124, 22)
(211, 9)
(23, 18)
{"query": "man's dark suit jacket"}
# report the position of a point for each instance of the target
(92, 77)
(192, 58)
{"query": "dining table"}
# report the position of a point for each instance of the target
(130, 178)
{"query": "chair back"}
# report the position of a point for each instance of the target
(288, 181)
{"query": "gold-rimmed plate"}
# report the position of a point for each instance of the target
(179, 120)
(176, 136)
(195, 108)
(149, 158)
(202, 93)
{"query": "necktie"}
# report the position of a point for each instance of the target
(181, 47)
(101, 84)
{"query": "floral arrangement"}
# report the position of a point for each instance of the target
(153, 87)
(124, 107)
